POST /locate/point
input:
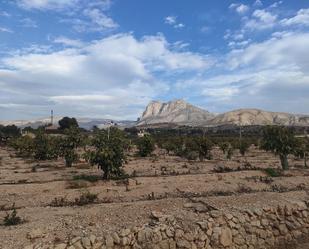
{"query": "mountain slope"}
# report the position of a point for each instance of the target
(178, 111)
(259, 117)
(183, 113)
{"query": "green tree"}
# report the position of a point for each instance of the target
(145, 146)
(243, 147)
(281, 141)
(302, 149)
(204, 148)
(41, 146)
(108, 153)
(67, 123)
(68, 145)
(227, 149)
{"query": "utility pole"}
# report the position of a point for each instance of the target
(51, 117)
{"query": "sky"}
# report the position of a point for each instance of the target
(110, 58)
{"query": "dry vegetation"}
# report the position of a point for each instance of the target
(56, 202)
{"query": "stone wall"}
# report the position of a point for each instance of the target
(247, 229)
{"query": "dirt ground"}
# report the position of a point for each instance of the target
(159, 183)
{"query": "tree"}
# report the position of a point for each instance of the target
(243, 147)
(68, 145)
(145, 146)
(227, 149)
(204, 148)
(67, 123)
(41, 146)
(108, 153)
(302, 149)
(279, 140)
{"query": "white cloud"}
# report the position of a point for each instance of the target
(271, 75)
(239, 8)
(301, 18)
(46, 4)
(7, 30)
(28, 23)
(5, 14)
(116, 76)
(68, 42)
(172, 20)
(101, 20)
(258, 3)
(261, 19)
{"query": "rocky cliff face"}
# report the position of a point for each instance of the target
(181, 112)
(177, 111)
(259, 117)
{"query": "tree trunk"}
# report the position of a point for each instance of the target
(284, 162)
(305, 159)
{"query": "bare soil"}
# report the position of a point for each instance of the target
(159, 183)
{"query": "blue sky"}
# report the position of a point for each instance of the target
(109, 58)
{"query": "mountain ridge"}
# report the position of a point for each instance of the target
(188, 114)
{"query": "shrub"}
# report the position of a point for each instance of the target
(12, 219)
(272, 172)
(68, 145)
(145, 146)
(281, 141)
(108, 153)
(59, 202)
(89, 178)
(85, 198)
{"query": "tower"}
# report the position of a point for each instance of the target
(52, 117)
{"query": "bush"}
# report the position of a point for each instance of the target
(85, 198)
(12, 219)
(89, 178)
(108, 153)
(145, 146)
(272, 172)
(68, 145)
(59, 202)
(280, 141)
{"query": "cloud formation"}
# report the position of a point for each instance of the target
(116, 71)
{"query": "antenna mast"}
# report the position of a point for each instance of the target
(52, 117)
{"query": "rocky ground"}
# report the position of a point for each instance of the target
(161, 183)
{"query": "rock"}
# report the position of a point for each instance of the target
(116, 238)
(109, 241)
(34, 234)
(86, 242)
(92, 239)
(60, 246)
(226, 237)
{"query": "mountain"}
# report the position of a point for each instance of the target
(177, 111)
(259, 117)
(182, 113)
(86, 123)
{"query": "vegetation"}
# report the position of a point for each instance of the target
(12, 219)
(68, 145)
(145, 146)
(281, 141)
(302, 149)
(272, 172)
(227, 149)
(108, 153)
(85, 198)
(67, 123)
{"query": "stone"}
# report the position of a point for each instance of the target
(226, 237)
(34, 234)
(125, 232)
(61, 246)
(92, 239)
(86, 242)
(116, 238)
(109, 240)
(29, 247)
(183, 244)
(78, 245)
